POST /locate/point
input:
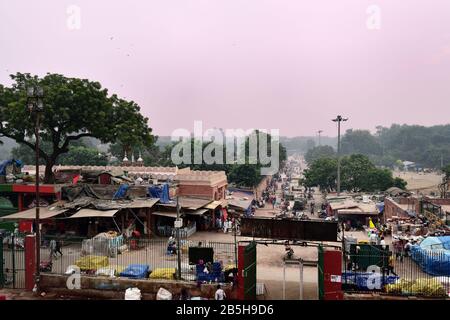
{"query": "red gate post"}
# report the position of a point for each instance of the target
(30, 261)
(240, 278)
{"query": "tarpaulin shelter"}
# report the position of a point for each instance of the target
(5, 163)
(160, 192)
(433, 255)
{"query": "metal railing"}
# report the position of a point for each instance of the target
(398, 273)
(96, 257)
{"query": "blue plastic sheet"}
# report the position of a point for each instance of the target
(5, 163)
(122, 192)
(160, 192)
(432, 261)
(362, 281)
(136, 271)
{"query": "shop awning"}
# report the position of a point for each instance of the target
(198, 212)
(44, 213)
(165, 214)
(213, 205)
(140, 203)
(92, 213)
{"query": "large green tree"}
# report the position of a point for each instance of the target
(73, 109)
(322, 172)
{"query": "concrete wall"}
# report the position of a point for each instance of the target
(114, 288)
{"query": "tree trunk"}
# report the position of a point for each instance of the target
(49, 175)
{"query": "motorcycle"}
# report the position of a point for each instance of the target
(46, 266)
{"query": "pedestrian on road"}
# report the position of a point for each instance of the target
(52, 248)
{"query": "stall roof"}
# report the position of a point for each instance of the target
(213, 205)
(188, 203)
(140, 203)
(91, 213)
(240, 203)
(44, 213)
(198, 212)
(165, 214)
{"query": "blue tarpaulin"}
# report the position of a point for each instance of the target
(380, 207)
(161, 192)
(136, 271)
(5, 163)
(122, 192)
(433, 255)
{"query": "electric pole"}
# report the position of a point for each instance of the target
(319, 132)
(339, 119)
(178, 226)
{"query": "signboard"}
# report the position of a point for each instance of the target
(289, 229)
(178, 223)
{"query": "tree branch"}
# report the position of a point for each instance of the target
(42, 154)
(72, 138)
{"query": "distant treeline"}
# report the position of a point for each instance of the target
(428, 147)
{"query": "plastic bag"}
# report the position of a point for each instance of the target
(133, 294)
(163, 294)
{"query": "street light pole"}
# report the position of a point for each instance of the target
(178, 242)
(319, 132)
(35, 104)
(339, 119)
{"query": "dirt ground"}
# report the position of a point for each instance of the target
(422, 182)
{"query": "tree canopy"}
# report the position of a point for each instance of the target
(358, 174)
(427, 146)
(73, 108)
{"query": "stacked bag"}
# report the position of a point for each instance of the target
(214, 275)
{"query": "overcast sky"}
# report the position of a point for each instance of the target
(291, 65)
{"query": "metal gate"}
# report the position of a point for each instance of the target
(12, 262)
(249, 271)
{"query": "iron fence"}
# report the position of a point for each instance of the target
(12, 261)
(397, 273)
(108, 258)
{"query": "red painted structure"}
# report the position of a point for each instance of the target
(332, 271)
(30, 261)
(240, 278)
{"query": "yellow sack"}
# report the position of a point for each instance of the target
(229, 267)
(92, 262)
(163, 273)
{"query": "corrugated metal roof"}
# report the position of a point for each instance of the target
(213, 205)
(44, 213)
(165, 214)
(198, 212)
(188, 203)
(92, 213)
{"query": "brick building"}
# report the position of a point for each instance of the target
(209, 185)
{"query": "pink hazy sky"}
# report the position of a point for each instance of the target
(286, 64)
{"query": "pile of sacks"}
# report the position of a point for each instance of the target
(421, 286)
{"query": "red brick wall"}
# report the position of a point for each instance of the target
(440, 201)
(391, 209)
(412, 202)
(199, 191)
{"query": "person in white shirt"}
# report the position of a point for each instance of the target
(373, 238)
(383, 242)
(220, 294)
